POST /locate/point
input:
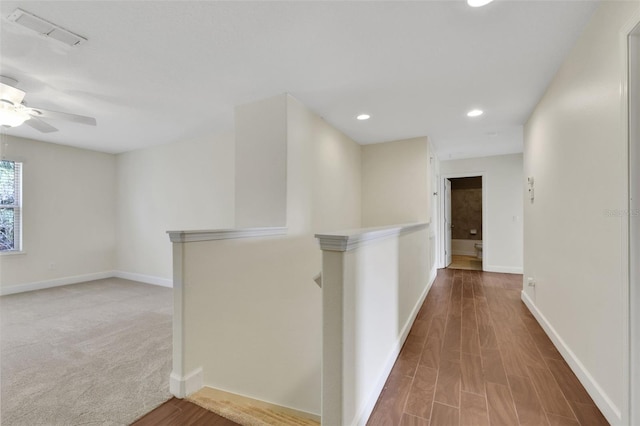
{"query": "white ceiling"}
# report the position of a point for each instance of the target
(155, 72)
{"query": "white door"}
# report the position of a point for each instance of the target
(447, 222)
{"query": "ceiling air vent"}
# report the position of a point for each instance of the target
(45, 28)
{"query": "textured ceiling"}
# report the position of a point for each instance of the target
(155, 72)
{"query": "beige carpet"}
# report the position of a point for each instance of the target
(96, 353)
(247, 413)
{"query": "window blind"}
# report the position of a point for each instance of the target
(10, 205)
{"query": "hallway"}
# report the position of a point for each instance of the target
(476, 356)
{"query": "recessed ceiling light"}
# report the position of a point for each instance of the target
(363, 117)
(478, 3)
(475, 113)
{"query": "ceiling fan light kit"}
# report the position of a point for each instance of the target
(11, 116)
(13, 112)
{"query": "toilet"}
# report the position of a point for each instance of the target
(478, 247)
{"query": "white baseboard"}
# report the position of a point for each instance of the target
(182, 386)
(147, 279)
(362, 417)
(57, 282)
(503, 269)
(608, 408)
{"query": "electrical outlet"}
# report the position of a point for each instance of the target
(531, 282)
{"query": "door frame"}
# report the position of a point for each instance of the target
(485, 238)
(447, 218)
(630, 40)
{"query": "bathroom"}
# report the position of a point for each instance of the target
(466, 223)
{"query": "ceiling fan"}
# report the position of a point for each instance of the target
(13, 111)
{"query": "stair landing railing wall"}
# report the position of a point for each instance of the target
(373, 284)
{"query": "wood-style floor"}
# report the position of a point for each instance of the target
(180, 412)
(476, 356)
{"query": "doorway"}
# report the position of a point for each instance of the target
(463, 222)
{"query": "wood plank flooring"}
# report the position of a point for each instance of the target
(476, 356)
(180, 412)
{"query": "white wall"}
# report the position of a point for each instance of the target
(399, 183)
(324, 174)
(187, 185)
(252, 312)
(261, 163)
(435, 228)
(253, 318)
(502, 186)
(574, 242)
(69, 205)
(396, 182)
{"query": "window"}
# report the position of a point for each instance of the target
(10, 203)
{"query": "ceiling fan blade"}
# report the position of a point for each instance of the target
(11, 94)
(40, 125)
(55, 115)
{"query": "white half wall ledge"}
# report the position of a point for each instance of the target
(224, 234)
(354, 238)
(610, 411)
(383, 274)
